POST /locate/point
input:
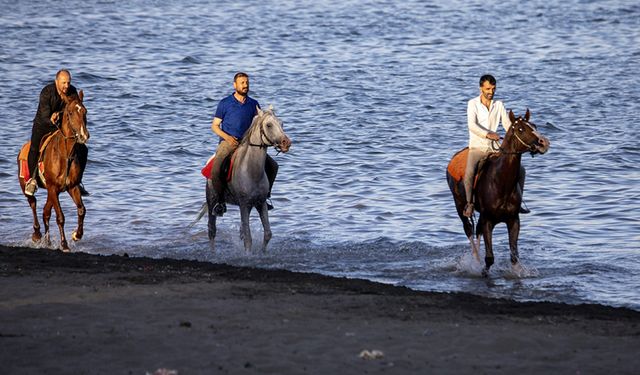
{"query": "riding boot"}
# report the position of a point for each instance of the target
(220, 207)
(468, 210)
(31, 187)
(82, 152)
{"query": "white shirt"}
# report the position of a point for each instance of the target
(482, 120)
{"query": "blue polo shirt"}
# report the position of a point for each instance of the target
(236, 117)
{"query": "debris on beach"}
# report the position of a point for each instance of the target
(164, 371)
(373, 354)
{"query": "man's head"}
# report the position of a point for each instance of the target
(63, 81)
(487, 86)
(241, 83)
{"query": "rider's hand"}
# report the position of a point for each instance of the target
(54, 117)
(493, 136)
(232, 141)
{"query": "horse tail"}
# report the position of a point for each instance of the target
(201, 213)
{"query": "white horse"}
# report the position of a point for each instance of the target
(249, 186)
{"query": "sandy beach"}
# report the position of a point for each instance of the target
(88, 314)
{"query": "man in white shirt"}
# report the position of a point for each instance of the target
(483, 116)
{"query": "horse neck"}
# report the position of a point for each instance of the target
(252, 157)
(508, 163)
(64, 140)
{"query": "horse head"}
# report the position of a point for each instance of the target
(74, 118)
(527, 135)
(271, 130)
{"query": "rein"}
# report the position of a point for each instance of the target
(530, 148)
(71, 153)
(263, 136)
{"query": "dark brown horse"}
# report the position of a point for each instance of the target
(497, 193)
(62, 170)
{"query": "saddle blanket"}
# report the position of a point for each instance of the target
(458, 164)
(227, 166)
(23, 157)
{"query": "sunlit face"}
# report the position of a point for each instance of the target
(487, 90)
(63, 82)
(242, 86)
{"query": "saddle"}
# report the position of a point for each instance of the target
(23, 158)
(225, 170)
(458, 165)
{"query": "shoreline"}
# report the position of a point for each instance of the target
(85, 313)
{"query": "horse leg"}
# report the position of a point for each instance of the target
(36, 236)
(266, 226)
(487, 232)
(211, 201)
(245, 230)
(46, 216)
(53, 196)
(77, 234)
(513, 227)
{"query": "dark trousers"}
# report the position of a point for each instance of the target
(37, 133)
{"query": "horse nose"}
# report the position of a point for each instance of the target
(285, 144)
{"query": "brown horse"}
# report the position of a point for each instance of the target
(497, 193)
(62, 170)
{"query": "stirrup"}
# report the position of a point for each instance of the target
(31, 187)
(468, 210)
(269, 204)
(219, 209)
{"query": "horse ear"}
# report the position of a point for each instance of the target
(259, 111)
(512, 117)
(526, 115)
(81, 95)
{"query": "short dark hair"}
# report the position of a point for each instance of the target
(62, 71)
(240, 75)
(488, 77)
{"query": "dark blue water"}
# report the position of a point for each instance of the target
(374, 96)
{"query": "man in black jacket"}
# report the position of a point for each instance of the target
(49, 113)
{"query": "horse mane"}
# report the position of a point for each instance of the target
(255, 124)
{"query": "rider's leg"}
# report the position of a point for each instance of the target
(82, 152)
(523, 207)
(36, 137)
(271, 168)
(222, 151)
(473, 157)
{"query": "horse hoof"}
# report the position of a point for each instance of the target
(485, 272)
(75, 236)
(36, 237)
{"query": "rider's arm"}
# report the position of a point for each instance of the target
(473, 123)
(215, 126)
(504, 118)
(45, 113)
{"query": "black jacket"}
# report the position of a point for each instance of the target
(50, 102)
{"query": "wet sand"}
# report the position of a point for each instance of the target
(89, 314)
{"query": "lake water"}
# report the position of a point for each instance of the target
(373, 95)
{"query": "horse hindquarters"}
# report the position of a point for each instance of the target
(459, 199)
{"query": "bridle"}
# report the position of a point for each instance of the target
(530, 147)
(75, 133)
(263, 136)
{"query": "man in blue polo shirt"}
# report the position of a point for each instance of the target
(232, 119)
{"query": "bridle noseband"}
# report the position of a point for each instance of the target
(75, 133)
(530, 147)
(264, 136)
